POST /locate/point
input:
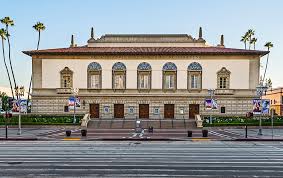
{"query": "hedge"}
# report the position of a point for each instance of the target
(41, 120)
(241, 121)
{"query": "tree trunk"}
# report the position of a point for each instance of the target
(11, 66)
(7, 69)
(266, 66)
(245, 45)
(38, 40)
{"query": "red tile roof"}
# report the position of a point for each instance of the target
(145, 51)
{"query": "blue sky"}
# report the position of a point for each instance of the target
(65, 17)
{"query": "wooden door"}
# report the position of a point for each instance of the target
(193, 110)
(144, 111)
(94, 110)
(119, 111)
(169, 111)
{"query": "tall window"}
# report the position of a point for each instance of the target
(169, 76)
(119, 76)
(194, 76)
(144, 75)
(223, 78)
(66, 78)
(94, 75)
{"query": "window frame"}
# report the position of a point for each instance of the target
(66, 72)
(223, 74)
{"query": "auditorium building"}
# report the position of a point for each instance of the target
(156, 76)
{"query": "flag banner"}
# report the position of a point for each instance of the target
(214, 104)
(256, 106)
(208, 104)
(265, 106)
(72, 102)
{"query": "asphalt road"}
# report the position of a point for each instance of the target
(141, 159)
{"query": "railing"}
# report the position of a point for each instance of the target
(85, 121)
(63, 90)
(198, 121)
(224, 92)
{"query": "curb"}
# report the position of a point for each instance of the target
(18, 139)
(256, 139)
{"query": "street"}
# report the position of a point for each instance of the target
(140, 159)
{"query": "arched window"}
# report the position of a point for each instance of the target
(169, 76)
(144, 75)
(94, 75)
(119, 76)
(223, 78)
(194, 76)
(66, 78)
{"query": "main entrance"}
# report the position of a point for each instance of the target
(168, 111)
(94, 110)
(193, 110)
(119, 111)
(144, 111)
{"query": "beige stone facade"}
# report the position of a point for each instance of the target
(234, 91)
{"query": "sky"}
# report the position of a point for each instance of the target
(63, 18)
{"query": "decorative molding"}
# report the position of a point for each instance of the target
(169, 66)
(119, 66)
(195, 66)
(144, 66)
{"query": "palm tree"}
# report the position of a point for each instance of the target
(268, 45)
(3, 34)
(250, 34)
(7, 21)
(38, 27)
(253, 41)
(244, 39)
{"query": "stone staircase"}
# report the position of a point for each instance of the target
(145, 123)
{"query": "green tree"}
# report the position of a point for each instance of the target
(250, 34)
(38, 27)
(268, 83)
(269, 45)
(7, 21)
(4, 99)
(3, 34)
(253, 42)
(244, 39)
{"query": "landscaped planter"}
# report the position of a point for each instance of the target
(204, 133)
(68, 133)
(190, 133)
(83, 132)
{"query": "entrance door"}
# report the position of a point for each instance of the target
(193, 110)
(169, 111)
(94, 110)
(144, 111)
(119, 111)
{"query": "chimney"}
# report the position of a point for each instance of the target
(221, 42)
(72, 42)
(91, 40)
(200, 39)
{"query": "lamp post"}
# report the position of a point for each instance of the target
(20, 91)
(261, 90)
(211, 93)
(75, 92)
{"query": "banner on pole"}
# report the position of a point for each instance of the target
(211, 104)
(265, 106)
(256, 106)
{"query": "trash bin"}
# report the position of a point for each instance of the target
(204, 133)
(190, 133)
(83, 132)
(150, 129)
(68, 133)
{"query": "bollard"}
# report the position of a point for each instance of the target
(246, 129)
(190, 133)
(68, 133)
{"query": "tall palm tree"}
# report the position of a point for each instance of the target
(7, 21)
(244, 39)
(3, 34)
(268, 45)
(38, 27)
(250, 34)
(253, 42)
